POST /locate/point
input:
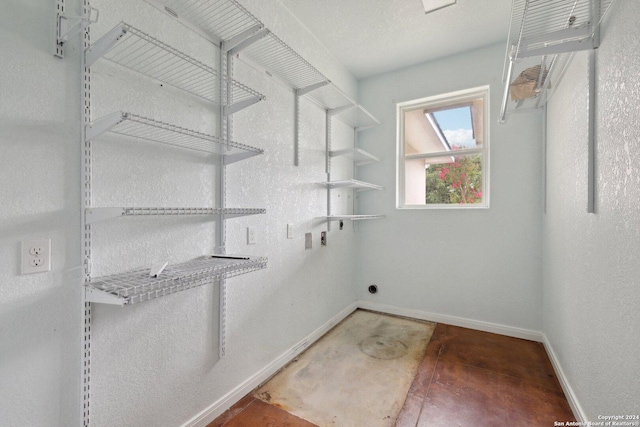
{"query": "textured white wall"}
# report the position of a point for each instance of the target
(155, 363)
(40, 321)
(591, 284)
(479, 264)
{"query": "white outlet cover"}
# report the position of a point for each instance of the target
(251, 236)
(36, 256)
(289, 231)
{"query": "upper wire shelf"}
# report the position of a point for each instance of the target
(276, 57)
(138, 285)
(542, 36)
(132, 125)
(545, 27)
(241, 34)
(220, 20)
(100, 214)
(142, 53)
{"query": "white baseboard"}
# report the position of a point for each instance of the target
(575, 406)
(495, 328)
(225, 402)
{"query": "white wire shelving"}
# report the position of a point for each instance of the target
(542, 37)
(352, 217)
(244, 36)
(352, 183)
(135, 126)
(355, 116)
(139, 286)
(357, 155)
(142, 53)
(98, 214)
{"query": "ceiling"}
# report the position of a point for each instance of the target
(371, 37)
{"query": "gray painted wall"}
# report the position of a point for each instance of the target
(480, 264)
(591, 283)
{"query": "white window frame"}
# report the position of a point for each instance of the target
(439, 101)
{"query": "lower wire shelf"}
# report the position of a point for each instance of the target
(138, 286)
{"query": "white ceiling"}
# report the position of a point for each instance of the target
(371, 37)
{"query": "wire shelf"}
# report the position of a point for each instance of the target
(100, 214)
(542, 36)
(353, 183)
(275, 56)
(358, 155)
(135, 126)
(138, 286)
(352, 217)
(356, 117)
(330, 97)
(556, 65)
(142, 53)
(228, 21)
(220, 19)
(554, 26)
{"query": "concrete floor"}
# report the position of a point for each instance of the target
(465, 378)
(358, 374)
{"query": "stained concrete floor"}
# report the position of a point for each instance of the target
(466, 378)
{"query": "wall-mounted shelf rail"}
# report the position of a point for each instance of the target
(93, 215)
(138, 286)
(358, 155)
(140, 52)
(352, 183)
(542, 36)
(132, 125)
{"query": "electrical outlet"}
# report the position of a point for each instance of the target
(289, 231)
(36, 256)
(308, 240)
(251, 236)
(323, 238)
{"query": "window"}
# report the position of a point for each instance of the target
(443, 151)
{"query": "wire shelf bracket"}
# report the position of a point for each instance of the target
(68, 27)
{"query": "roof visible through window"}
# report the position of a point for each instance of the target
(457, 127)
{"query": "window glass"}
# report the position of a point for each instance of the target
(443, 151)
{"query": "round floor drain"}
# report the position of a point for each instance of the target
(380, 347)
